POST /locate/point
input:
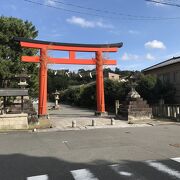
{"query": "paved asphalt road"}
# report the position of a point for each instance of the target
(103, 154)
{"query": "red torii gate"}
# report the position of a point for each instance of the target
(72, 48)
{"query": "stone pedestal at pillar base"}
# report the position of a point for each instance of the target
(56, 107)
(101, 114)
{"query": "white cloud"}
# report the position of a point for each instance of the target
(127, 57)
(175, 54)
(133, 32)
(81, 22)
(87, 24)
(115, 32)
(155, 44)
(103, 25)
(150, 57)
(135, 57)
(131, 67)
(50, 2)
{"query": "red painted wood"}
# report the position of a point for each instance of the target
(42, 106)
(100, 83)
(51, 60)
(44, 59)
(34, 59)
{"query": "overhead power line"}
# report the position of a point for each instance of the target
(104, 10)
(168, 3)
(114, 15)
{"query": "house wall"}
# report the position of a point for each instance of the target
(169, 73)
(113, 76)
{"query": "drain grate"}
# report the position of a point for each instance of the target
(175, 145)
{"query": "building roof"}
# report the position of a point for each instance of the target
(164, 63)
(22, 39)
(13, 92)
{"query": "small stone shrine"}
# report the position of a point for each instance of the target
(15, 107)
(9, 120)
(134, 109)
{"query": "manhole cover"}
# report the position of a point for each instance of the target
(175, 145)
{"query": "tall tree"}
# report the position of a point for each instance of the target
(10, 52)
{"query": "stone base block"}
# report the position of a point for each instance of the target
(43, 116)
(57, 107)
(101, 114)
(132, 119)
(134, 111)
(14, 121)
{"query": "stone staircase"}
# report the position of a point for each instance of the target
(135, 110)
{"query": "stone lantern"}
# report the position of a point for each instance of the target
(23, 79)
(133, 94)
(23, 76)
(134, 109)
(56, 97)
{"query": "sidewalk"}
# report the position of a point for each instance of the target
(62, 120)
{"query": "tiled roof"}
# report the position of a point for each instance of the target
(164, 63)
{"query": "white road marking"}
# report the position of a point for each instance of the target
(163, 168)
(176, 159)
(125, 173)
(40, 177)
(83, 174)
(116, 168)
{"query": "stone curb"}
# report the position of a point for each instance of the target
(89, 128)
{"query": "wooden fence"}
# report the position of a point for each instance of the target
(167, 111)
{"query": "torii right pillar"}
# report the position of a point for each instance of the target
(100, 85)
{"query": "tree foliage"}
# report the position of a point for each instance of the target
(85, 96)
(114, 90)
(152, 89)
(10, 52)
(149, 87)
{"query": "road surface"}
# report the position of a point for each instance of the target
(102, 154)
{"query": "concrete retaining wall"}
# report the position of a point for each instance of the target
(14, 121)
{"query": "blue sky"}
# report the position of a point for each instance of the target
(146, 42)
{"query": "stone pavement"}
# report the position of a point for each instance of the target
(62, 119)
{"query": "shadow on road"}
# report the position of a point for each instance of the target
(19, 167)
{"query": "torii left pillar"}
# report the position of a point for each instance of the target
(42, 108)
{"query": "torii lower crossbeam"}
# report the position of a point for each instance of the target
(72, 48)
